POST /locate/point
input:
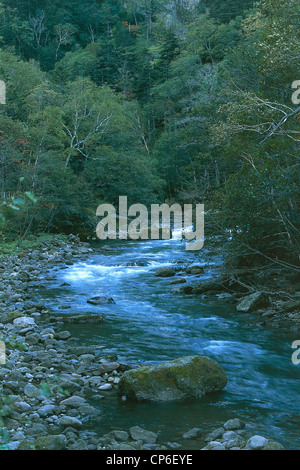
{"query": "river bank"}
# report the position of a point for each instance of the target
(275, 301)
(53, 385)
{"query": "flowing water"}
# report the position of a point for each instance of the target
(149, 323)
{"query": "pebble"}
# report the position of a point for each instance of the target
(105, 387)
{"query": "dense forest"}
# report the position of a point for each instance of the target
(160, 100)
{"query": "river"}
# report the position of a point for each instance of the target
(149, 323)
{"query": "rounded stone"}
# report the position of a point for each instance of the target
(214, 445)
(233, 424)
(67, 421)
(24, 322)
(139, 434)
(256, 442)
(105, 387)
(31, 391)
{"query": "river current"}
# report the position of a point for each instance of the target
(149, 323)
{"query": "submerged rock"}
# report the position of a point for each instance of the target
(192, 434)
(185, 378)
(186, 289)
(99, 300)
(179, 280)
(165, 272)
(194, 270)
(78, 319)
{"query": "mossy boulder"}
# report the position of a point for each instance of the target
(51, 443)
(13, 315)
(9, 317)
(185, 378)
(272, 445)
(26, 445)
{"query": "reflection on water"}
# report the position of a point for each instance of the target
(150, 323)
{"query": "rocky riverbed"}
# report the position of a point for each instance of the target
(270, 297)
(49, 379)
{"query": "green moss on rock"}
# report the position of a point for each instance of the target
(272, 445)
(51, 443)
(26, 445)
(185, 378)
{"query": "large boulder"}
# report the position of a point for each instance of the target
(185, 378)
(186, 289)
(253, 302)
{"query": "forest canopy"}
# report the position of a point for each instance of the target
(162, 101)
